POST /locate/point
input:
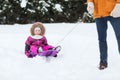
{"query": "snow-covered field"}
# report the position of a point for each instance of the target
(78, 59)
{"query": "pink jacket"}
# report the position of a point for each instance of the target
(32, 45)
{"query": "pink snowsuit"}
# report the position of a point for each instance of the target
(32, 46)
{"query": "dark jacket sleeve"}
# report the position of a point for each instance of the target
(27, 47)
(27, 44)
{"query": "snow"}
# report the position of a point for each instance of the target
(0, 11)
(44, 3)
(78, 59)
(58, 7)
(23, 3)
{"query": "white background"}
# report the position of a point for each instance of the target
(78, 59)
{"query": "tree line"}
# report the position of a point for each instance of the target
(47, 11)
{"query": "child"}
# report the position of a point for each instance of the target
(36, 44)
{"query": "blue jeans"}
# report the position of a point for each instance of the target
(102, 26)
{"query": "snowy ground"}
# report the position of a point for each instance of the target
(78, 59)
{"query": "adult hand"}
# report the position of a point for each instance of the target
(90, 7)
(116, 11)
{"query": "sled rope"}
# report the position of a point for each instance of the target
(67, 34)
(69, 31)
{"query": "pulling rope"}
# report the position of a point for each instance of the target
(69, 31)
(67, 34)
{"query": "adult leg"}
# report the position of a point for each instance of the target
(116, 26)
(101, 24)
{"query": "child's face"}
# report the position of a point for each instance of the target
(37, 31)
